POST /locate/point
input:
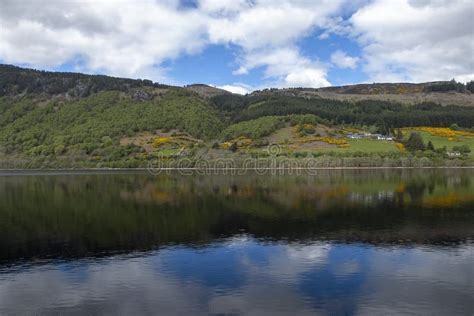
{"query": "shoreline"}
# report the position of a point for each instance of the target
(202, 171)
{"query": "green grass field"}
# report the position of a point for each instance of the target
(439, 141)
(366, 146)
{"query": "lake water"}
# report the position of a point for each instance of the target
(338, 242)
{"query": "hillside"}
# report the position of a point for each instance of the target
(16, 81)
(58, 120)
(444, 93)
(206, 91)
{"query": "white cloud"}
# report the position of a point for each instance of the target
(236, 88)
(342, 60)
(310, 77)
(241, 71)
(267, 32)
(286, 67)
(223, 7)
(408, 40)
(124, 38)
(417, 40)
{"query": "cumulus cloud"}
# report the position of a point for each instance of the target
(342, 60)
(236, 88)
(286, 67)
(119, 38)
(416, 40)
(125, 39)
(406, 40)
(267, 31)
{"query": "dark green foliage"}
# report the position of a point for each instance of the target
(264, 126)
(306, 119)
(447, 86)
(463, 149)
(415, 142)
(229, 102)
(454, 127)
(93, 126)
(254, 128)
(399, 135)
(430, 146)
(367, 112)
(470, 86)
(16, 80)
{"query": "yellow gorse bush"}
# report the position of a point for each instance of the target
(225, 145)
(443, 132)
(400, 147)
(351, 130)
(329, 140)
(158, 141)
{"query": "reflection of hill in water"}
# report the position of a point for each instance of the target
(88, 214)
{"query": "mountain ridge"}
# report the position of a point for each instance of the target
(16, 80)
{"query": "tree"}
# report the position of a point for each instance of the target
(464, 149)
(430, 146)
(399, 135)
(415, 142)
(470, 86)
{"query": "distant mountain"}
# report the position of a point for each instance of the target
(397, 88)
(441, 92)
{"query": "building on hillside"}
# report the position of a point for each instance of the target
(355, 136)
(454, 153)
(369, 135)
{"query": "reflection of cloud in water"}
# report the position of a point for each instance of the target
(433, 281)
(285, 264)
(274, 280)
(314, 253)
(128, 286)
(347, 268)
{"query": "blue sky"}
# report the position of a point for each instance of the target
(243, 45)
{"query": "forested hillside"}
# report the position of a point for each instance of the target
(361, 112)
(51, 119)
(18, 81)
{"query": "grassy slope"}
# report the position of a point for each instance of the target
(366, 146)
(257, 128)
(272, 126)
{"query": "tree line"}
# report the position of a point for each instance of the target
(366, 112)
(15, 80)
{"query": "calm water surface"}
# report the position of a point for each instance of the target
(339, 242)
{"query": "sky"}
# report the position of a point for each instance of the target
(244, 45)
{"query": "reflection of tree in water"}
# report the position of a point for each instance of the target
(431, 187)
(465, 182)
(415, 190)
(90, 214)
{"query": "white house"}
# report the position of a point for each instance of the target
(454, 154)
